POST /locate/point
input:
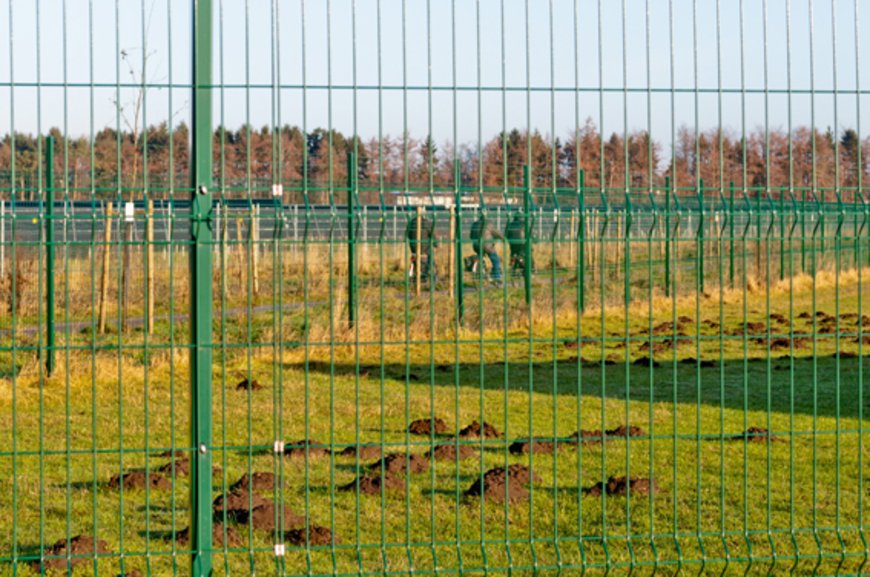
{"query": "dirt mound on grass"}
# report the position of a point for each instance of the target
(263, 517)
(217, 536)
(623, 431)
(475, 431)
(399, 463)
(596, 436)
(139, 480)
(372, 483)
(657, 347)
(296, 449)
(237, 501)
(79, 545)
(534, 446)
(757, 435)
(646, 362)
(704, 364)
(316, 535)
(257, 481)
(182, 467)
(622, 486)
(500, 483)
(520, 473)
(428, 426)
(451, 452)
(246, 385)
(365, 452)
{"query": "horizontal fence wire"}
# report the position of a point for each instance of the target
(376, 287)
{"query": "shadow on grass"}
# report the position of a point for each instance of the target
(809, 384)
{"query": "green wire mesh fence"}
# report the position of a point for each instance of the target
(598, 308)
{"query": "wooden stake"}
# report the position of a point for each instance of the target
(149, 263)
(104, 280)
(241, 251)
(255, 248)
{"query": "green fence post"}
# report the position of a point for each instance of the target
(351, 239)
(782, 233)
(731, 234)
(701, 235)
(667, 236)
(758, 235)
(201, 293)
(581, 237)
(804, 232)
(527, 207)
(49, 253)
(460, 290)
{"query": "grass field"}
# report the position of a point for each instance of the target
(792, 502)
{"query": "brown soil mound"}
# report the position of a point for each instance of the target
(316, 536)
(217, 536)
(753, 327)
(182, 467)
(497, 484)
(805, 315)
(428, 426)
(596, 436)
(623, 431)
(776, 317)
(534, 446)
(237, 501)
(396, 463)
(622, 486)
(246, 385)
(519, 473)
(366, 452)
(79, 545)
(372, 483)
(257, 481)
(139, 480)
(657, 347)
(664, 328)
(684, 320)
(475, 431)
(757, 435)
(262, 517)
(297, 449)
(645, 362)
(449, 452)
(704, 364)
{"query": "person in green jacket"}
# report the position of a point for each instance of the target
(422, 254)
(483, 235)
(516, 236)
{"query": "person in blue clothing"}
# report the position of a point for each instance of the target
(483, 235)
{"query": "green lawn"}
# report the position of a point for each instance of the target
(790, 505)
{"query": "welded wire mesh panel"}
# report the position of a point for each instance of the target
(365, 287)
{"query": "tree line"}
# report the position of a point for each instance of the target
(247, 161)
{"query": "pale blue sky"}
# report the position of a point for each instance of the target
(247, 57)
